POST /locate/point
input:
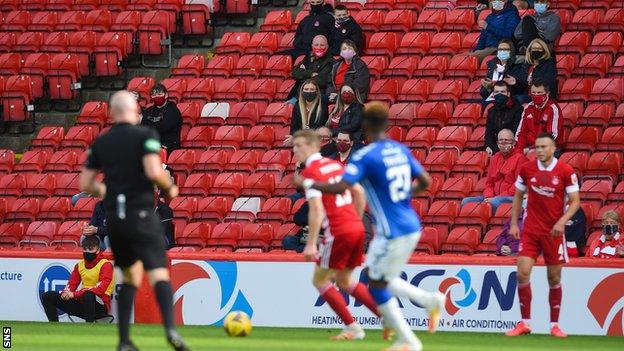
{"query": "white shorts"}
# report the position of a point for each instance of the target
(387, 257)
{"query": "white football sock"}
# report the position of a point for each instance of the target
(394, 318)
(399, 287)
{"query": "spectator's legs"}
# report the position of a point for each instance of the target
(292, 242)
(91, 307)
(52, 300)
(499, 200)
(529, 31)
(472, 199)
(483, 53)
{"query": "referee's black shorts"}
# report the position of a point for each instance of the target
(138, 237)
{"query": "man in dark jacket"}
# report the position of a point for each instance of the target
(320, 21)
(498, 25)
(164, 117)
(345, 28)
(317, 65)
(505, 114)
(545, 25)
(97, 226)
(575, 234)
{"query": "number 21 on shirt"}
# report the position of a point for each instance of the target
(400, 184)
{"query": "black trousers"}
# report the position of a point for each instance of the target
(88, 309)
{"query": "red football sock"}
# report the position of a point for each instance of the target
(525, 296)
(337, 303)
(360, 292)
(554, 298)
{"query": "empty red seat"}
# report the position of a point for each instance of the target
(261, 137)
(231, 89)
(7, 40)
(197, 184)
(440, 161)
(462, 66)
(613, 20)
(593, 65)
(229, 137)
(369, 20)
(455, 188)
(243, 160)
(110, 51)
(182, 160)
(198, 90)
(39, 234)
(488, 244)
(576, 89)
(608, 90)
(617, 195)
(596, 114)
(446, 43)
(190, 111)
(606, 42)
(63, 76)
(69, 234)
(39, 185)
(399, 20)
(259, 184)
(461, 240)
(447, 90)
(7, 161)
(471, 162)
(220, 66)
(384, 90)
(98, 21)
(24, 209)
(16, 98)
(66, 184)
(414, 43)
(502, 215)
(48, 138)
(83, 209)
(583, 139)
(275, 209)
(43, 21)
(441, 214)
(62, 161)
(284, 89)
(54, 209)
(11, 233)
(250, 65)
(566, 64)
(196, 18)
(432, 114)
(195, 234)
(213, 208)
(574, 43)
(233, 42)
(198, 137)
(274, 161)
(475, 214)
(277, 21)
(256, 235)
(460, 20)
(189, 65)
(28, 42)
(70, 21)
(454, 137)
(402, 66)
(225, 234)
(277, 112)
(432, 66)
(612, 139)
(261, 90)
(175, 87)
(420, 137)
(429, 241)
(431, 20)
(93, 112)
(16, 21)
(263, 43)
(383, 43)
(604, 165)
(376, 65)
(576, 159)
(596, 190)
(55, 42)
(415, 90)
(155, 30)
(402, 114)
(228, 184)
(78, 137)
(32, 161)
(586, 20)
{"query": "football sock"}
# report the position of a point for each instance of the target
(164, 296)
(399, 287)
(124, 310)
(392, 315)
(360, 292)
(525, 296)
(337, 302)
(554, 298)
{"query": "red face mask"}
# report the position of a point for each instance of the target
(319, 52)
(347, 97)
(539, 99)
(158, 100)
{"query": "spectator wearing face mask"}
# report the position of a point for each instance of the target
(349, 70)
(505, 114)
(310, 111)
(504, 68)
(498, 25)
(164, 117)
(611, 243)
(320, 21)
(541, 115)
(502, 173)
(345, 147)
(347, 114)
(544, 25)
(89, 289)
(328, 147)
(541, 65)
(316, 66)
(345, 28)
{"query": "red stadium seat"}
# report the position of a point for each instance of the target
(461, 240)
(249, 65)
(593, 65)
(54, 209)
(369, 20)
(261, 90)
(154, 33)
(71, 21)
(78, 138)
(466, 114)
(63, 77)
(440, 161)
(446, 43)
(16, 21)
(277, 21)
(256, 235)
(578, 161)
(460, 20)
(195, 234)
(190, 112)
(196, 19)
(596, 114)
(175, 87)
(409, 4)
(28, 42)
(576, 89)
(11, 233)
(284, 89)
(617, 196)
(402, 114)
(432, 66)
(55, 42)
(596, 190)
(66, 184)
(39, 185)
(281, 232)
(114, 5)
(197, 90)
(260, 137)
(462, 67)
(69, 234)
(93, 112)
(220, 66)
(574, 43)
(502, 216)
(612, 139)
(230, 90)
(583, 139)
(606, 42)
(184, 207)
(39, 234)
(82, 44)
(452, 137)
(275, 209)
(414, 43)
(233, 42)
(402, 66)
(228, 183)
(48, 139)
(447, 90)
(566, 64)
(608, 90)
(83, 209)
(213, 208)
(143, 86)
(415, 90)
(571, 112)
(604, 165)
(199, 137)
(278, 66)
(85, 5)
(229, 137)
(471, 163)
(431, 20)
(440, 215)
(586, 20)
(455, 189)
(127, 22)
(384, 90)
(488, 244)
(383, 44)
(474, 214)
(226, 235)
(182, 160)
(469, 42)
(263, 43)
(32, 161)
(7, 161)
(278, 113)
(16, 98)
(432, 114)
(197, 184)
(376, 65)
(399, 20)
(7, 41)
(43, 21)
(97, 21)
(421, 138)
(62, 161)
(274, 161)
(259, 184)
(613, 20)
(429, 241)
(243, 161)
(189, 65)
(24, 209)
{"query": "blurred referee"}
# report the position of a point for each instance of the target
(129, 157)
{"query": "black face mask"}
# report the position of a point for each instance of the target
(89, 256)
(316, 8)
(309, 96)
(500, 100)
(610, 229)
(536, 55)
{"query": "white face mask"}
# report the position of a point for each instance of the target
(498, 5)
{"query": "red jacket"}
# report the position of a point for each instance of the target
(502, 173)
(104, 280)
(535, 121)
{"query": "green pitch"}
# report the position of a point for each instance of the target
(68, 336)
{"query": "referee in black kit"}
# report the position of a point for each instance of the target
(129, 157)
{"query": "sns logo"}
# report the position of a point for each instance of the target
(53, 278)
(205, 292)
(469, 296)
(606, 304)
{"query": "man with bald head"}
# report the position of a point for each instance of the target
(317, 65)
(129, 157)
(320, 20)
(502, 172)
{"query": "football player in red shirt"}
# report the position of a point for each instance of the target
(339, 216)
(547, 182)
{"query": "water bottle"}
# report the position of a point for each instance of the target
(121, 206)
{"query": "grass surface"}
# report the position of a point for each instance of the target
(68, 336)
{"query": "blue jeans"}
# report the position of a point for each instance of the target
(495, 201)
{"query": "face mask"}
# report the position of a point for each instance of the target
(536, 55)
(158, 100)
(319, 52)
(342, 20)
(540, 7)
(309, 96)
(316, 8)
(503, 55)
(89, 256)
(347, 97)
(610, 229)
(500, 100)
(343, 146)
(539, 99)
(347, 54)
(498, 5)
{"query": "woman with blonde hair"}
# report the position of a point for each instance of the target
(347, 114)
(541, 65)
(310, 111)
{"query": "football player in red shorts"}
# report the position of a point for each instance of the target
(339, 216)
(547, 181)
